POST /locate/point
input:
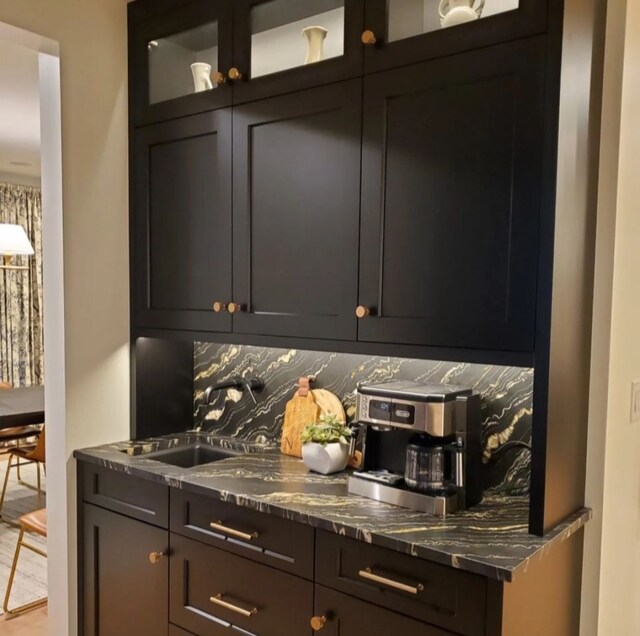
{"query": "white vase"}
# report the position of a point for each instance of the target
(325, 460)
(315, 43)
(201, 76)
(454, 12)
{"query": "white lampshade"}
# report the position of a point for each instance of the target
(14, 241)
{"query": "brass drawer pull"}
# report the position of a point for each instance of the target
(318, 623)
(156, 557)
(218, 525)
(396, 585)
(235, 308)
(217, 600)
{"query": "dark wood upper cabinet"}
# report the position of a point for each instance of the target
(123, 592)
(163, 49)
(451, 196)
(271, 44)
(296, 202)
(182, 194)
(408, 31)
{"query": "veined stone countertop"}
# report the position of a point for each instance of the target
(491, 539)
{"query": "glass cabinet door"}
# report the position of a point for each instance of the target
(180, 57)
(286, 45)
(400, 32)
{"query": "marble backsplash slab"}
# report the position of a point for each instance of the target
(507, 394)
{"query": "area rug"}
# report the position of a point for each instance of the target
(31, 577)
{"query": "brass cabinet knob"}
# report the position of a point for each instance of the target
(218, 306)
(234, 308)
(219, 78)
(369, 38)
(318, 622)
(156, 557)
(362, 311)
(234, 74)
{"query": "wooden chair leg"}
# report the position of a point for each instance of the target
(39, 486)
(6, 482)
(12, 574)
(29, 606)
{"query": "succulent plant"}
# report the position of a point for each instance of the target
(327, 430)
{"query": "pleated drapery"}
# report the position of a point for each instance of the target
(21, 341)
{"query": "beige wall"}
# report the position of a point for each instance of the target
(92, 37)
(612, 551)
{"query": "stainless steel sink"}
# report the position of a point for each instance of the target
(192, 455)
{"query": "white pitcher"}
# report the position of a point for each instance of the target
(454, 12)
(201, 76)
(315, 43)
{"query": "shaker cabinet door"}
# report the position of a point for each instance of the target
(451, 196)
(124, 593)
(182, 192)
(296, 206)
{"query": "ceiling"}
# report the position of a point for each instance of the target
(19, 110)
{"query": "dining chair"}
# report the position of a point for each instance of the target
(33, 523)
(16, 434)
(31, 455)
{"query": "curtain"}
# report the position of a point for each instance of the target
(21, 342)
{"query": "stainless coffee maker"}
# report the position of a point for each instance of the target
(422, 446)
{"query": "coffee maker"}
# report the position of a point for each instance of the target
(422, 446)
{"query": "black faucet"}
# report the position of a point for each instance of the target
(253, 385)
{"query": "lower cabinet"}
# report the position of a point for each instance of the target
(213, 592)
(341, 615)
(125, 576)
(213, 569)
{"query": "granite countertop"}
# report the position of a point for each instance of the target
(491, 539)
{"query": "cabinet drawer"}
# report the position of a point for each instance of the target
(131, 496)
(214, 593)
(346, 616)
(427, 591)
(282, 544)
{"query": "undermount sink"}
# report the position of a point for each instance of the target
(190, 456)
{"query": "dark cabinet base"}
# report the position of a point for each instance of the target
(124, 593)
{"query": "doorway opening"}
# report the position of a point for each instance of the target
(32, 467)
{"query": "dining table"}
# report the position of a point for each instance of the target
(21, 406)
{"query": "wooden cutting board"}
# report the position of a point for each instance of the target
(329, 404)
(301, 410)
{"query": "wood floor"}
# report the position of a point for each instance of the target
(30, 624)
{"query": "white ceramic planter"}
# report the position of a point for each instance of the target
(325, 460)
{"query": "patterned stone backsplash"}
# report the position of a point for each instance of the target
(506, 392)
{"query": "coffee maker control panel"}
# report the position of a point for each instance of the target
(388, 411)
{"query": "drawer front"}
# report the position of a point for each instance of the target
(347, 616)
(426, 591)
(131, 496)
(282, 544)
(214, 593)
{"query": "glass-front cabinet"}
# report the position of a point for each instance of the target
(207, 54)
(286, 45)
(399, 32)
(181, 59)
